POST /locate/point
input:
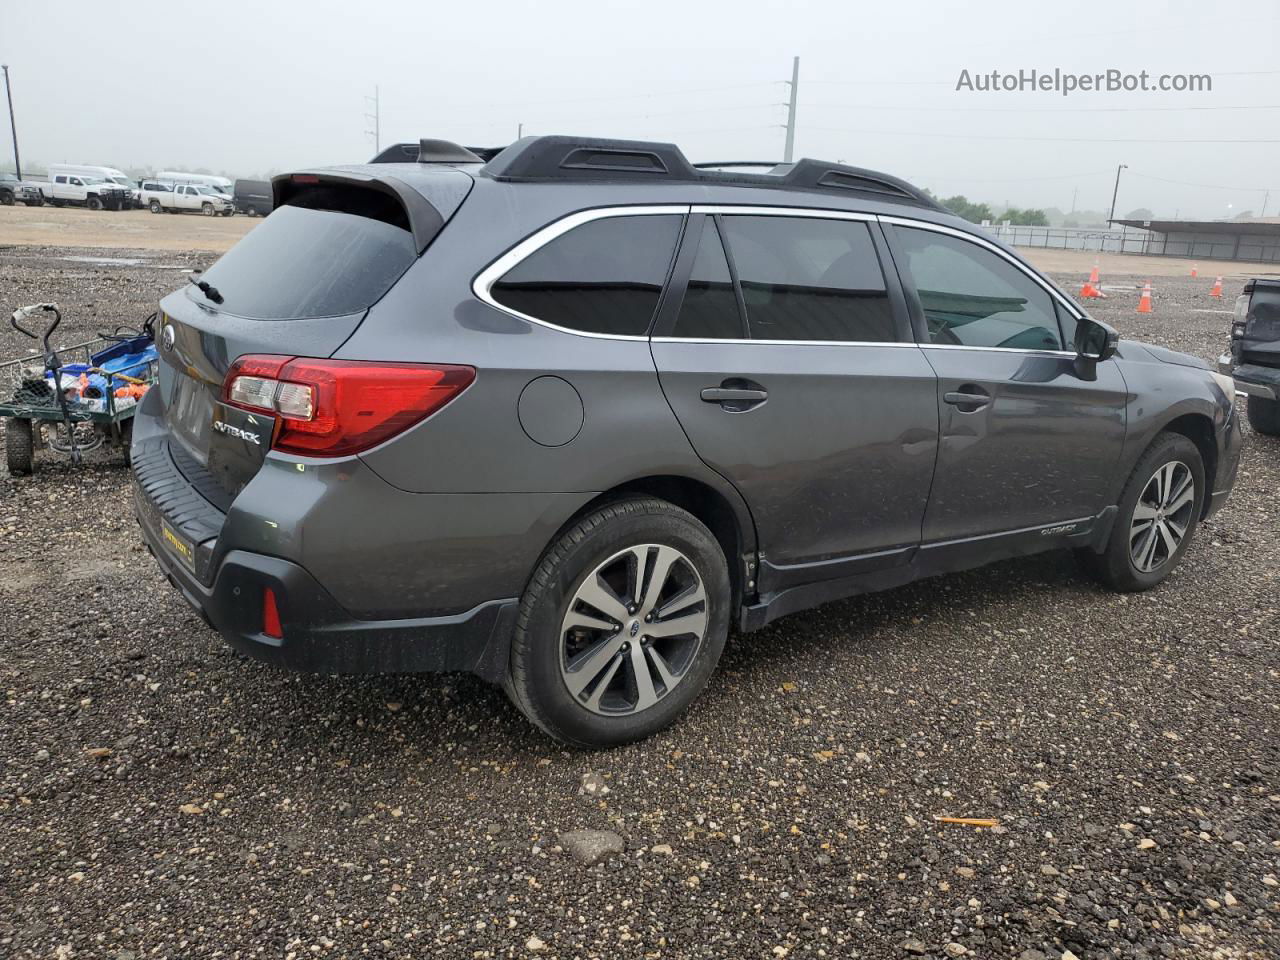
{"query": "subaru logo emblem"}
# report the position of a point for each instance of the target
(167, 336)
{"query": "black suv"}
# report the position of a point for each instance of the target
(565, 416)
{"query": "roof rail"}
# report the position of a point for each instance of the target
(551, 158)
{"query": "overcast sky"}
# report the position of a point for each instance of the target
(251, 87)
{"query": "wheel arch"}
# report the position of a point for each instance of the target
(723, 512)
(1198, 428)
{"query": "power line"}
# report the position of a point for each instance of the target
(952, 108)
(979, 136)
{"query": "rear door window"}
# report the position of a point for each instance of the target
(605, 276)
(973, 297)
(337, 255)
(809, 278)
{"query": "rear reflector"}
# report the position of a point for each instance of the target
(271, 615)
(334, 408)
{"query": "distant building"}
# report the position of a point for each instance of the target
(1256, 240)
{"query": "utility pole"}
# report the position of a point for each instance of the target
(376, 117)
(519, 131)
(789, 149)
(1074, 191)
(1114, 194)
(1262, 213)
(13, 124)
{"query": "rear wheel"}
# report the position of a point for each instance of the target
(19, 447)
(252, 211)
(621, 625)
(1264, 416)
(1159, 510)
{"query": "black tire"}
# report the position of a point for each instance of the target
(1264, 416)
(252, 212)
(6, 199)
(155, 207)
(1115, 566)
(535, 683)
(206, 209)
(93, 203)
(227, 213)
(19, 447)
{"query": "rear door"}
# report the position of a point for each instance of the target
(788, 360)
(1025, 442)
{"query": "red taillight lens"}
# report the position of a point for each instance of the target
(271, 615)
(334, 408)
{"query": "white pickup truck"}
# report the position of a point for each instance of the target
(160, 195)
(85, 191)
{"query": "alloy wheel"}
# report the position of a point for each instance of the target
(633, 629)
(1162, 516)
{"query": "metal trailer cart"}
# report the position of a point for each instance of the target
(76, 398)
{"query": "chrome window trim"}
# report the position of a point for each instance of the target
(791, 343)
(482, 285)
(1026, 350)
(810, 213)
(994, 248)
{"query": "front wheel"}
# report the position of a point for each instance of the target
(6, 199)
(227, 213)
(19, 447)
(1264, 415)
(155, 207)
(1158, 513)
(94, 203)
(621, 625)
(207, 209)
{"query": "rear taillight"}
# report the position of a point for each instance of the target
(334, 408)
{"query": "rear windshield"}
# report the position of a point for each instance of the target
(304, 262)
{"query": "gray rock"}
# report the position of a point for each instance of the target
(589, 847)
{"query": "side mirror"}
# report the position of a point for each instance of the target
(1094, 342)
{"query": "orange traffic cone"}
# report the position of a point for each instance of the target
(1195, 269)
(1217, 288)
(1089, 291)
(1093, 275)
(1144, 305)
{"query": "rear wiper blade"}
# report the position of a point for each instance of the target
(208, 289)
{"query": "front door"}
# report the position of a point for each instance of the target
(789, 363)
(1025, 441)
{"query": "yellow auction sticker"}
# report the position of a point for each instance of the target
(178, 544)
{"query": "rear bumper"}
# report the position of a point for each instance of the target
(1250, 378)
(319, 635)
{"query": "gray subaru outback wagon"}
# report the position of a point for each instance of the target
(564, 414)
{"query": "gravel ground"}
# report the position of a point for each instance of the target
(160, 796)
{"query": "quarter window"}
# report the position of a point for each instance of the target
(602, 277)
(972, 297)
(710, 307)
(807, 278)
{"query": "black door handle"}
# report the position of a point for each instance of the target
(968, 398)
(730, 394)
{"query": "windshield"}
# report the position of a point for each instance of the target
(303, 263)
(209, 191)
(123, 181)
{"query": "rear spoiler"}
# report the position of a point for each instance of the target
(425, 220)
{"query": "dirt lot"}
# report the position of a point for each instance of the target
(142, 229)
(161, 796)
